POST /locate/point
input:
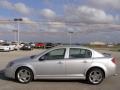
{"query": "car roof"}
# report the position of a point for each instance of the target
(71, 46)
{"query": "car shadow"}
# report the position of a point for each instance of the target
(54, 81)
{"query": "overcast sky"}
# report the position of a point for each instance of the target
(51, 20)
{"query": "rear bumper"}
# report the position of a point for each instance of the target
(111, 71)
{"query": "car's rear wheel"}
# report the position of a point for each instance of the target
(24, 75)
(95, 76)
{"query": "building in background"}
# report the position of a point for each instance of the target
(98, 44)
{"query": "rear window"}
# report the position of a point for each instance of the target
(79, 53)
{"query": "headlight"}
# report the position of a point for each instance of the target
(10, 64)
(28, 46)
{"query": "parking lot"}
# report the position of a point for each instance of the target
(112, 83)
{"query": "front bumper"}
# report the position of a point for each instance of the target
(4, 49)
(9, 72)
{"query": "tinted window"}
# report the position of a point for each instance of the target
(79, 53)
(55, 54)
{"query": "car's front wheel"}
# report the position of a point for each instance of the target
(24, 75)
(95, 76)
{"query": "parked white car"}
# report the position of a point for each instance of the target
(7, 47)
(4, 48)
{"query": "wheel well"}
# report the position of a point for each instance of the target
(94, 68)
(23, 67)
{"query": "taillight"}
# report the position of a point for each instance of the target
(114, 60)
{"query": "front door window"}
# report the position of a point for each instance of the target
(55, 54)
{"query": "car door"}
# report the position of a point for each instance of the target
(79, 60)
(51, 63)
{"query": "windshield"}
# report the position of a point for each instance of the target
(5, 44)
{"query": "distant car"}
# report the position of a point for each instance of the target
(39, 45)
(49, 45)
(18, 46)
(63, 62)
(32, 44)
(4, 48)
(7, 47)
(26, 47)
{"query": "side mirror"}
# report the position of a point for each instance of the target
(42, 58)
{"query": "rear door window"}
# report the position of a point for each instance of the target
(79, 53)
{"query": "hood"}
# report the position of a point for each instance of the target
(21, 60)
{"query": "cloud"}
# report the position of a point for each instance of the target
(47, 13)
(106, 3)
(29, 21)
(5, 24)
(22, 8)
(6, 4)
(7, 27)
(84, 19)
(85, 14)
(57, 25)
(19, 7)
(30, 24)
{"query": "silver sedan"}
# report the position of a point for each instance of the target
(63, 62)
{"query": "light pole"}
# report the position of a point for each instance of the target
(15, 33)
(70, 38)
(18, 31)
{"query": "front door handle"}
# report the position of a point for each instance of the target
(85, 62)
(60, 62)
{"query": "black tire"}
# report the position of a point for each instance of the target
(95, 76)
(21, 78)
